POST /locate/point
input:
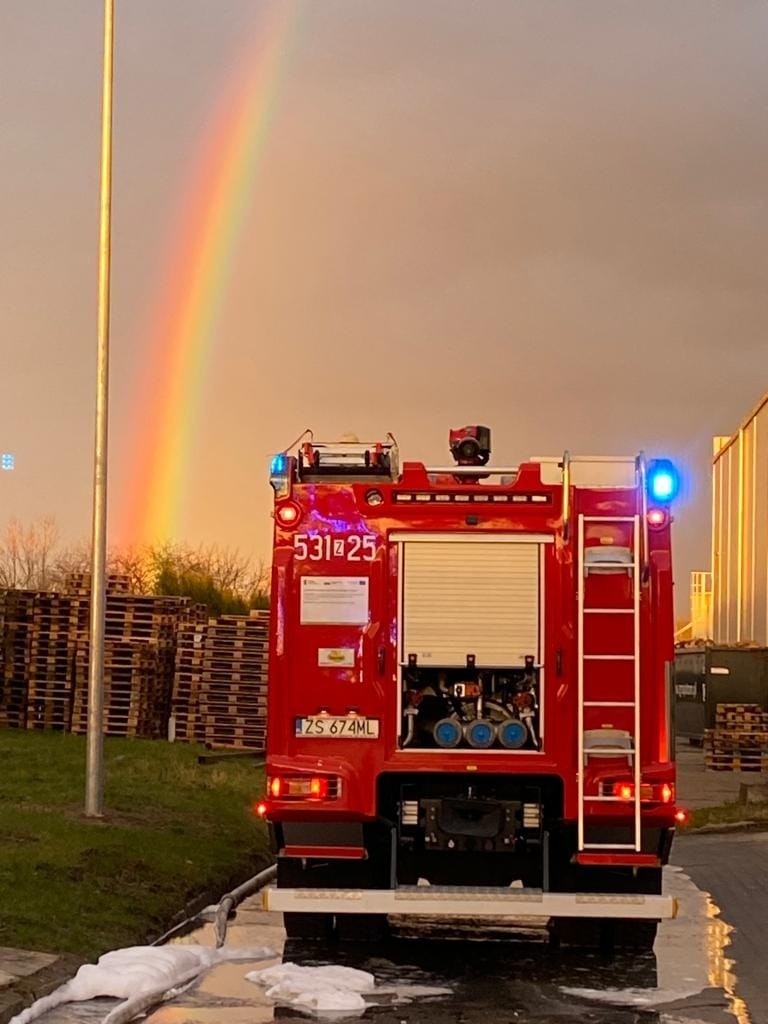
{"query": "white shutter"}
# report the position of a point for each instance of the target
(463, 598)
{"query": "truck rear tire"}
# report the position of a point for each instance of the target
(605, 934)
(309, 926)
(362, 927)
(629, 933)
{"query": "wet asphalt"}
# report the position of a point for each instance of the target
(734, 870)
(494, 974)
(706, 967)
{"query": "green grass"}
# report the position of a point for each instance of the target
(729, 813)
(172, 831)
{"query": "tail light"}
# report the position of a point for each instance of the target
(624, 789)
(304, 787)
(657, 518)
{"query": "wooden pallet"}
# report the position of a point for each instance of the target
(736, 762)
(747, 715)
(727, 739)
(739, 741)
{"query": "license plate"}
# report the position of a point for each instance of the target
(334, 727)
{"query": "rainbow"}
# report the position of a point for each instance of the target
(205, 244)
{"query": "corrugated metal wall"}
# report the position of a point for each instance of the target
(740, 532)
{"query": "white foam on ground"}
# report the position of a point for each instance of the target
(324, 991)
(332, 991)
(140, 975)
(684, 950)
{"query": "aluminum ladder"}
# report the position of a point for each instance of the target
(599, 559)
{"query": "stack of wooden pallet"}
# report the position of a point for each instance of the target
(130, 688)
(220, 694)
(186, 682)
(4, 694)
(57, 622)
(139, 660)
(155, 620)
(155, 648)
(17, 621)
(79, 583)
(739, 741)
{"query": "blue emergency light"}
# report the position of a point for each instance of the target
(279, 465)
(278, 475)
(663, 481)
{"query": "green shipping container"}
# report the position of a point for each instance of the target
(708, 675)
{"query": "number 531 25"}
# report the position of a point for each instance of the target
(352, 547)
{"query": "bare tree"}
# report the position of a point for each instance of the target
(27, 554)
(74, 559)
(30, 559)
(137, 565)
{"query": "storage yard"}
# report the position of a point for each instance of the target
(169, 670)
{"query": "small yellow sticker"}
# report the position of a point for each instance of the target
(336, 657)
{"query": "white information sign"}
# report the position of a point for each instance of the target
(334, 600)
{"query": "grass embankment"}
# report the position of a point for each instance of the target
(172, 831)
(728, 814)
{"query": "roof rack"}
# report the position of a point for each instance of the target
(345, 460)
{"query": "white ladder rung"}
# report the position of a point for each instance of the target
(609, 657)
(595, 560)
(602, 751)
(609, 611)
(609, 703)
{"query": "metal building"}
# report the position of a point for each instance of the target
(740, 532)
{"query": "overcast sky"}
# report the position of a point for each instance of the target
(542, 215)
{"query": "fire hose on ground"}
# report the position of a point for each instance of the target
(219, 913)
(228, 903)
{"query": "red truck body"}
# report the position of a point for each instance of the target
(468, 684)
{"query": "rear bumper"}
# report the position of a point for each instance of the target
(455, 901)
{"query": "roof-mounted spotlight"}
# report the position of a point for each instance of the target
(470, 446)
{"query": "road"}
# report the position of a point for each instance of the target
(734, 869)
(490, 976)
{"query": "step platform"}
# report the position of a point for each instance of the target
(470, 901)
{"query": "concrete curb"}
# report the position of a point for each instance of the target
(25, 990)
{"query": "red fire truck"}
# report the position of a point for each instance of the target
(469, 699)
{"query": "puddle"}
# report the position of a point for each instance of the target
(496, 975)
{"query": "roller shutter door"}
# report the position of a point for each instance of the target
(470, 598)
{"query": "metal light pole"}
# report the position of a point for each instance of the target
(94, 786)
